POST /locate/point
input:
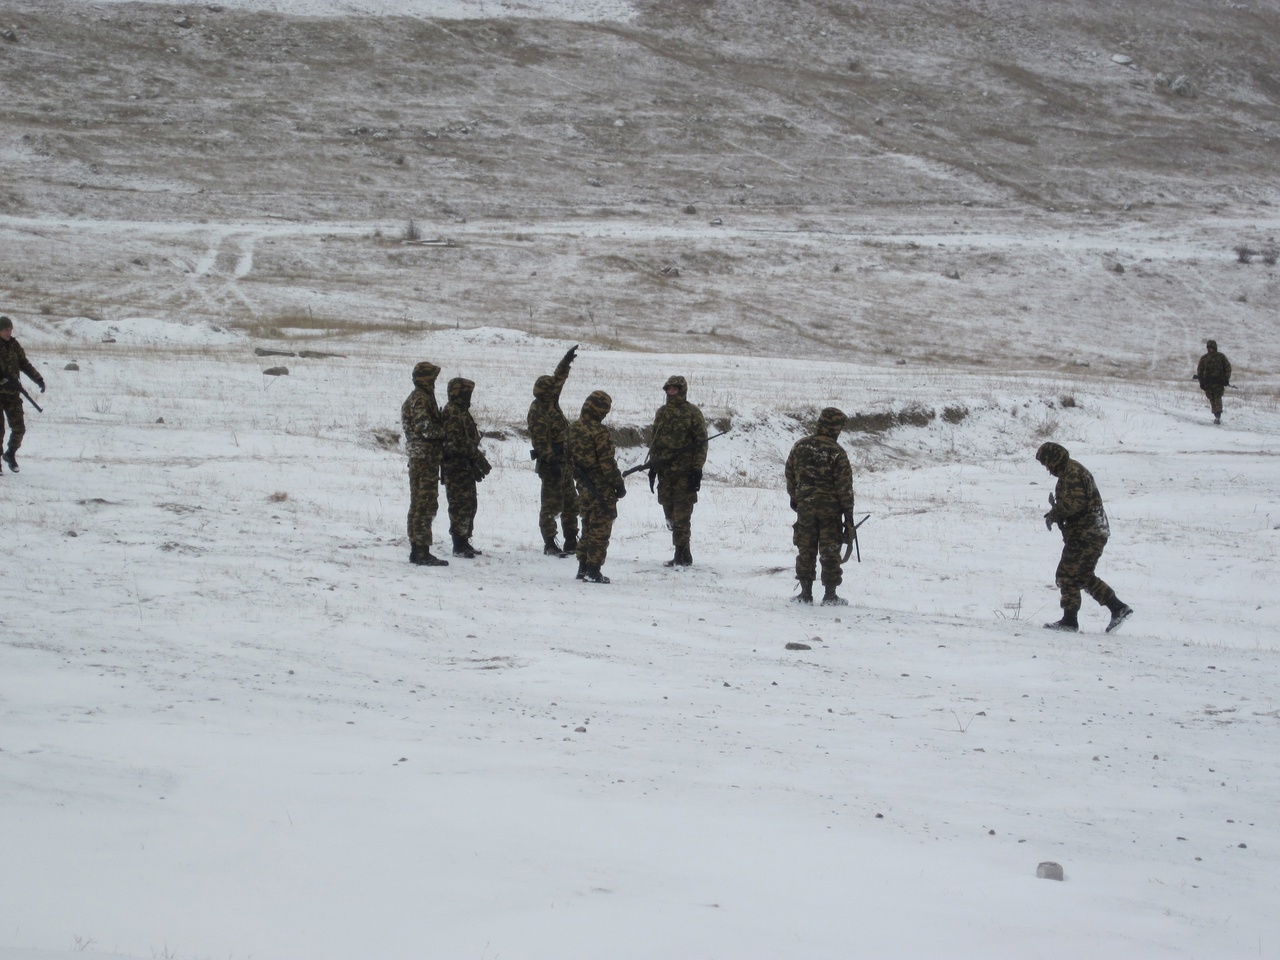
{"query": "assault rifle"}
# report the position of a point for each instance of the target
(851, 537)
(15, 382)
(653, 466)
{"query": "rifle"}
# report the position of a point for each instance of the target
(585, 477)
(851, 538)
(650, 465)
(15, 382)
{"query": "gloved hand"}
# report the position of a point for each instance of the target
(695, 480)
(571, 354)
(1048, 520)
(480, 468)
(40, 384)
(619, 489)
(653, 476)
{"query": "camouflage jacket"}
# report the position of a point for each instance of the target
(1214, 370)
(1077, 504)
(13, 360)
(592, 452)
(421, 419)
(548, 426)
(678, 424)
(819, 474)
(462, 454)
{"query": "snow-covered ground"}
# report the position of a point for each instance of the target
(236, 722)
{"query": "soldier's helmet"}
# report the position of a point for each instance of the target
(424, 374)
(680, 383)
(1211, 344)
(542, 386)
(597, 405)
(1052, 455)
(831, 422)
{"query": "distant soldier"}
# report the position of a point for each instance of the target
(424, 440)
(600, 484)
(463, 467)
(820, 485)
(1214, 374)
(677, 453)
(548, 432)
(1076, 507)
(13, 361)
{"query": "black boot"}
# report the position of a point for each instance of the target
(461, 548)
(806, 592)
(12, 461)
(675, 561)
(552, 549)
(829, 598)
(593, 575)
(1067, 623)
(570, 543)
(582, 571)
(1120, 612)
(688, 557)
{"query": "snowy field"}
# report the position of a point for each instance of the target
(237, 723)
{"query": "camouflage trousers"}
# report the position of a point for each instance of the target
(1080, 555)
(677, 505)
(1215, 399)
(460, 488)
(424, 498)
(597, 528)
(559, 500)
(11, 407)
(819, 531)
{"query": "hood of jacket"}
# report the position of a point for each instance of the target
(597, 406)
(681, 384)
(543, 386)
(460, 390)
(1053, 455)
(424, 375)
(831, 423)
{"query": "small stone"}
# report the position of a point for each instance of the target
(579, 729)
(72, 533)
(1048, 870)
(1121, 59)
(72, 366)
(276, 372)
(793, 645)
(1243, 846)
(159, 419)
(690, 208)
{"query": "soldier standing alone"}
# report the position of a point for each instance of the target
(424, 441)
(13, 361)
(463, 467)
(548, 432)
(677, 453)
(1214, 373)
(1076, 507)
(600, 484)
(820, 485)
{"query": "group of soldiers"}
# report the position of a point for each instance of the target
(581, 482)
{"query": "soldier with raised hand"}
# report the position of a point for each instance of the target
(1214, 373)
(677, 454)
(548, 432)
(13, 362)
(1076, 507)
(820, 485)
(600, 484)
(424, 440)
(464, 465)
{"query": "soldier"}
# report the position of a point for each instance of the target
(548, 432)
(424, 440)
(1214, 374)
(600, 484)
(820, 485)
(13, 361)
(464, 465)
(1077, 510)
(677, 453)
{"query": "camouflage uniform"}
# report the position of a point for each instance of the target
(424, 440)
(600, 485)
(13, 361)
(678, 424)
(548, 432)
(1214, 373)
(464, 465)
(1078, 511)
(820, 485)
